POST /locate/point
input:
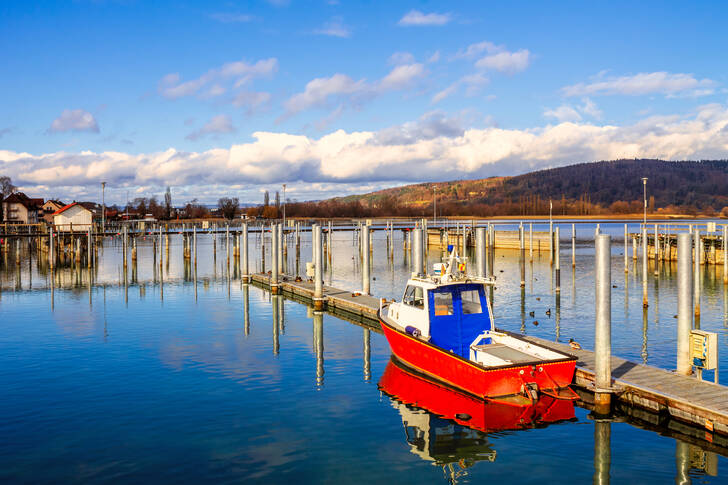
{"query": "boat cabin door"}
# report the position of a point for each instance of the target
(458, 314)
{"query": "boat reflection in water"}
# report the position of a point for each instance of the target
(450, 428)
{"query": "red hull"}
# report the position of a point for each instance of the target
(474, 378)
(487, 416)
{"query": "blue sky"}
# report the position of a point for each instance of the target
(233, 98)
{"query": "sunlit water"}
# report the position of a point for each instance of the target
(165, 378)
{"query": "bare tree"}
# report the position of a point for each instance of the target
(228, 207)
(266, 199)
(278, 200)
(6, 188)
(168, 203)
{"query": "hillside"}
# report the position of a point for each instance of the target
(586, 188)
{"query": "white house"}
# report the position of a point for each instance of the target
(73, 217)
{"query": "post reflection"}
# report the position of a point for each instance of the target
(318, 346)
(602, 451)
(246, 309)
(276, 329)
(367, 355)
(643, 352)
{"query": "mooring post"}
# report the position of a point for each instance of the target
(551, 243)
(194, 244)
(244, 250)
(318, 257)
(626, 258)
(365, 259)
(51, 250)
(125, 243)
(530, 242)
(634, 251)
(644, 268)
(603, 330)
(417, 252)
(557, 258)
(89, 252)
(657, 252)
(725, 255)
(522, 254)
(133, 249)
(696, 272)
(279, 234)
(573, 245)
(480, 252)
(684, 302)
(274, 259)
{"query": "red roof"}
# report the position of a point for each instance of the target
(63, 209)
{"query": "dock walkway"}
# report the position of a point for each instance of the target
(686, 399)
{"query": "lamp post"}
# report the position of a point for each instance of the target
(434, 207)
(284, 208)
(644, 197)
(103, 207)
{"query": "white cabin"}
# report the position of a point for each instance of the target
(73, 217)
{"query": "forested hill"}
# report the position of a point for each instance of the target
(586, 188)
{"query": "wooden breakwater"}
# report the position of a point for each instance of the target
(658, 391)
(502, 239)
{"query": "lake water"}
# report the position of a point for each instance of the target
(189, 376)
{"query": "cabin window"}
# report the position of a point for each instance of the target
(443, 304)
(414, 296)
(471, 301)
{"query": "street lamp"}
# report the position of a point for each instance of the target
(103, 207)
(434, 207)
(644, 197)
(284, 207)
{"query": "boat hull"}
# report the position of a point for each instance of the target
(480, 381)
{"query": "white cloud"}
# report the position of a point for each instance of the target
(334, 28)
(563, 113)
(433, 148)
(434, 57)
(472, 82)
(401, 77)
(251, 101)
(508, 62)
(401, 58)
(217, 125)
(590, 109)
(341, 89)
(74, 120)
(240, 72)
(415, 17)
(640, 84)
(474, 50)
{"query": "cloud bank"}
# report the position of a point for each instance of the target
(435, 147)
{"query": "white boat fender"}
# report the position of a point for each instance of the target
(414, 331)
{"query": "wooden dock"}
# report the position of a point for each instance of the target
(659, 391)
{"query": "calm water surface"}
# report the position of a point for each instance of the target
(184, 376)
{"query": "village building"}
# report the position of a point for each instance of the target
(49, 207)
(18, 208)
(73, 217)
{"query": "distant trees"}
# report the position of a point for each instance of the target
(228, 207)
(6, 188)
(266, 199)
(195, 210)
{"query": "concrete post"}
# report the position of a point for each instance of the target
(522, 254)
(318, 258)
(626, 258)
(696, 272)
(657, 252)
(480, 252)
(530, 242)
(725, 255)
(684, 303)
(416, 252)
(280, 247)
(634, 250)
(274, 259)
(245, 273)
(366, 257)
(603, 330)
(557, 257)
(644, 268)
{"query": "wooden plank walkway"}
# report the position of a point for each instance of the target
(687, 399)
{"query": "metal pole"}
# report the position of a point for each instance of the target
(696, 272)
(530, 241)
(603, 330)
(725, 255)
(626, 250)
(417, 252)
(573, 245)
(318, 257)
(557, 257)
(244, 249)
(194, 243)
(51, 250)
(279, 235)
(522, 254)
(365, 259)
(480, 252)
(657, 252)
(644, 267)
(274, 259)
(103, 208)
(684, 303)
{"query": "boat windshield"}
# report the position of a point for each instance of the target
(458, 314)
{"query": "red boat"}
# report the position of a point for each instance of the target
(443, 328)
